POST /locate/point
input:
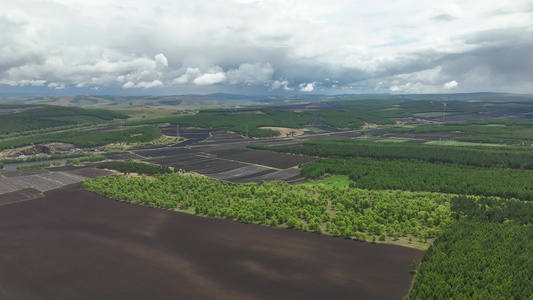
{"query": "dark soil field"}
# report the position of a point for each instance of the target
(265, 158)
(193, 135)
(165, 152)
(197, 163)
(224, 137)
(73, 244)
(122, 156)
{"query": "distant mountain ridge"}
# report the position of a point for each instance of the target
(234, 100)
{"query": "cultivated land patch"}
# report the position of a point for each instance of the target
(165, 152)
(224, 137)
(122, 156)
(286, 175)
(264, 158)
(197, 163)
(19, 196)
(239, 173)
(29, 184)
(74, 244)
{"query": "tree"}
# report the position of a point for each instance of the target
(292, 223)
(414, 266)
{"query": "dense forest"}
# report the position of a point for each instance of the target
(500, 157)
(45, 118)
(88, 138)
(415, 175)
(483, 255)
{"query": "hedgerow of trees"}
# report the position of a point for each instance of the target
(38, 165)
(130, 166)
(350, 213)
(87, 158)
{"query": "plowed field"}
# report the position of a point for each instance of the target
(73, 244)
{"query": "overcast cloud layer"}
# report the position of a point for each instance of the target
(260, 47)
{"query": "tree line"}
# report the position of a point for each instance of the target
(500, 157)
(130, 166)
(339, 211)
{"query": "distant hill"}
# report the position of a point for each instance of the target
(234, 100)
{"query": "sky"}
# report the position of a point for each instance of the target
(260, 47)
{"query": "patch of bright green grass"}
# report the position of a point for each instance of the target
(454, 143)
(337, 180)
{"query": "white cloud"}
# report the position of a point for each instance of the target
(142, 84)
(160, 61)
(281, 84)
(149, 84)
(189, 75)
(57, 86)
(250, 74)
(307, 87)
(128, 85)
(210, 78)
(265, 43)
(450, 85)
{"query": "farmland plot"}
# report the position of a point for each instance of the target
(264, 158)
(74, 244)
(239, 173)
(277, 175)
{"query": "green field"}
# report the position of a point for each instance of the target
(337, 180)
(455, 143)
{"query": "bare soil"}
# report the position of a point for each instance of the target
(265, 158)
(73, 244)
